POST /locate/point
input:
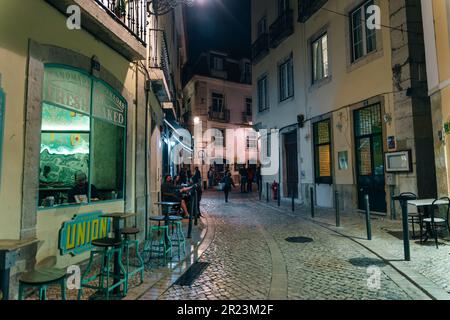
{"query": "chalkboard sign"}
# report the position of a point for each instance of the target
(2, 121)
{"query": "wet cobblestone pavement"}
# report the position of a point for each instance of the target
(250, 258)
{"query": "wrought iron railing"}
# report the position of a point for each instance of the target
(260, 47)
(132, 14)
(222, 116)
(159, 56)
(282, 28)
(306, 8)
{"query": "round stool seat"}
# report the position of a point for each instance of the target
(42, 276)
(130, 231)
(106, 242)
(436, 220)
(175, 218)
(157, 218)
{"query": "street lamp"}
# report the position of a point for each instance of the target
(162, 7)
(196, 120)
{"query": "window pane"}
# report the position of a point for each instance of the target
(322, 132)
(67, 88)
(378, 161)
(358, 45)
(325, 55)
(59, 119)
(107, 174)
(62, 156)
(324, 161)
(364, 157)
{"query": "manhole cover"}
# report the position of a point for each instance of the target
(192, 274)
(299, 240)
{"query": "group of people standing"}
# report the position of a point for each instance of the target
(248, 177)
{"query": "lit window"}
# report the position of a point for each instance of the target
(322, 151)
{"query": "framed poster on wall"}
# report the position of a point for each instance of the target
(399, 162)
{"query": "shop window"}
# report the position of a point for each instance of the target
(322, 152)
(83, 136)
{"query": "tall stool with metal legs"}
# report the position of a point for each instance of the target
(177, 235)
(159, 243)
(127, 245)
(105, 248)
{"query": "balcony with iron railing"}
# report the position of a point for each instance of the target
(306, 8)
(220, 116)
(282, 28)
(260, 48)
(159, 63)
(120, 24)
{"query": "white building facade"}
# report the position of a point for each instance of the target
(341, 97)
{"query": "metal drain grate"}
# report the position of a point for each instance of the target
(192, 274)
(299, 240)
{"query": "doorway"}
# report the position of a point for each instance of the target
(369, 158)
(290, 147)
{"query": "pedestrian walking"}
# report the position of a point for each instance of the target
(243, 174)
(250, 177)
(228, 183)
(211, 177)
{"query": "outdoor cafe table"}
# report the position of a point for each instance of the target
(117, 217)
(169, 205)
(426, 204)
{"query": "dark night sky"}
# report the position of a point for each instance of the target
(223, 25)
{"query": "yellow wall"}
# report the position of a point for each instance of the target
(40, 22)
(441, 21)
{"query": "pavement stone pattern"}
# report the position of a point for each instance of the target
(426, 259)
(332, 267)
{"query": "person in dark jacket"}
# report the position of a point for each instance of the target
(228, 183)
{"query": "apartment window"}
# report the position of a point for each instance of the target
(248, 106)
(263, 96)
(218, 63)
(219, 141)
(218, 102)
(363, 38)
(262, 26)
(320, 58)
(286, 79)
(322, 151)
(269, 144)
(252, 141)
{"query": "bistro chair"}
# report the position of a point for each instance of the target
(41, 279)
(435, 221)
(414, 218)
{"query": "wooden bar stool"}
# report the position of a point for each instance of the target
(42, 279)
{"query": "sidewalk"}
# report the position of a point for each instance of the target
(429, 268)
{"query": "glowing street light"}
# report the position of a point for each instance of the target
(196, 120)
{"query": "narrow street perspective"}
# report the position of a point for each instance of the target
(216, 157)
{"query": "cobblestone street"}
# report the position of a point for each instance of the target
(249, 258)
